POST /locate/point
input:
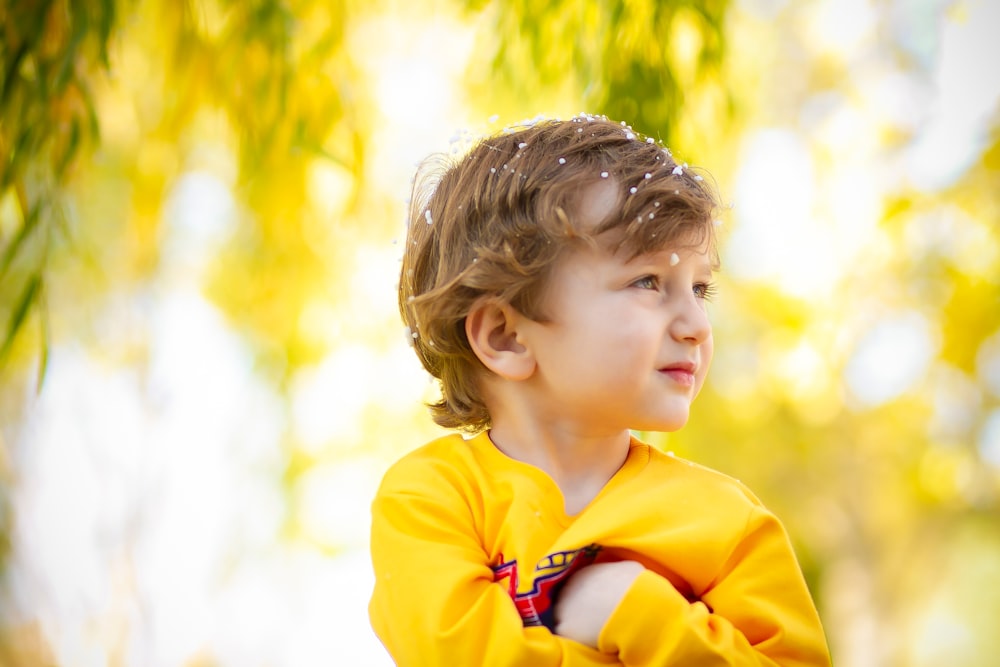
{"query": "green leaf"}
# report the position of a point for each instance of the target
(12, 250)
(32, 292)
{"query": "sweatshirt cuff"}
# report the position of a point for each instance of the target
(631, 624)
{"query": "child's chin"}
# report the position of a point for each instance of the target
(674, 426)
(666, 425)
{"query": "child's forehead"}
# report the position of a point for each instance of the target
(600, 213)
(598, 202)
(687, 245)
(699, 256)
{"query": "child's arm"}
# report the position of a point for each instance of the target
(435, 601)
(589, 598)
(758, 612)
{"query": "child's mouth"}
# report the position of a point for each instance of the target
(682, 373)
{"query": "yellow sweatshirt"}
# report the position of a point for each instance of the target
(470, 547)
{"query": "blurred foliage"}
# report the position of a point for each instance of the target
(271, 76)
(106, 106)
(50, 53)
(655, 64)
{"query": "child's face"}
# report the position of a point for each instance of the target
(626, 343)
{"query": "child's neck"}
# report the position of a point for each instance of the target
(579, 465)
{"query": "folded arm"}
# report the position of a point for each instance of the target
(435, 601)
(757, 612)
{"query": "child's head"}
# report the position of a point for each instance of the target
(496, 222)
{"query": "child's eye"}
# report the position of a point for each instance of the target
(704, 290)
(647, 282)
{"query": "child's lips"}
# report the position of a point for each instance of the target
(681, 373)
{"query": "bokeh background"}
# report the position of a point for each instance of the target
(204, 375)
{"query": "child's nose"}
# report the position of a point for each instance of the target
(691, 322)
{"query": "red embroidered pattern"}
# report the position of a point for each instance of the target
(552, 572)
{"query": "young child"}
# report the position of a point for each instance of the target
(554, 281)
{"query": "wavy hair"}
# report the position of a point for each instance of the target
(496, 220)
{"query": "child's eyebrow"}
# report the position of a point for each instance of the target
(708, 261)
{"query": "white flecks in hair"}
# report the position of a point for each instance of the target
(427, 217)
(651, 215)
(678, 170)
(633, 189)
(677, 192)
(650, 140)
(674, 259)
(604, 174)
(629, 136)
(493, 170)
(579, 130)
(562, 160)
(656, 204)
(648, 176)
(698, 178)
(522, 145)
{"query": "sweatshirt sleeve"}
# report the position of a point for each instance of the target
(758, 611)
(435, 601)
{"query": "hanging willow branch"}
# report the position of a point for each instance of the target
(48, 53)
(637, 61)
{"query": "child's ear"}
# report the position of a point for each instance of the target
(491, 328)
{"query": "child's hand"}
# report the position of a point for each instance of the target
(588, 598)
